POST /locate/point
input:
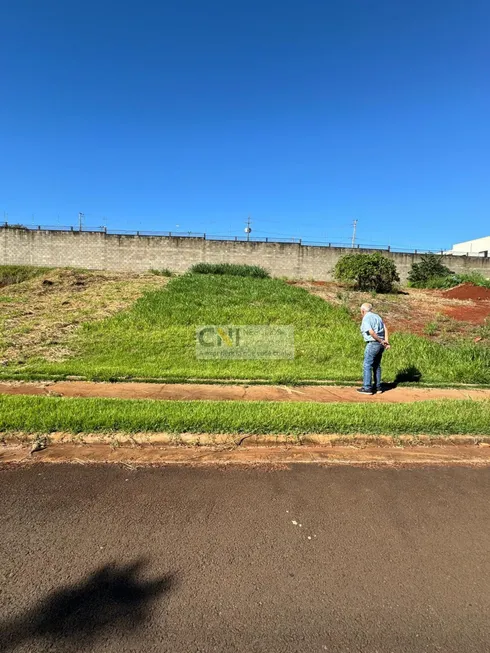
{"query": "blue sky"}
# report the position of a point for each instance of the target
(305, 115)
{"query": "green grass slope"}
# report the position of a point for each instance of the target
(156, 339)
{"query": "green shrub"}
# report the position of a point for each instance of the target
(439, 283)
(10, 274)
(449, 279)
(430, 267)
(230, 268)
(431, 329)
(373, 272)
(162, 273)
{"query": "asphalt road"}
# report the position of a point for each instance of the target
(178, 559)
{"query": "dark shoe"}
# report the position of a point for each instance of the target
(365, 391)
(380, 391)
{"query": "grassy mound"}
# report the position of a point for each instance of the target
(156, 338)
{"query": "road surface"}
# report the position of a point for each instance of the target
(252, 559)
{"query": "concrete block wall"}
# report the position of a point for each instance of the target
(99, 251)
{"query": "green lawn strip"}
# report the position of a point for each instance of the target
(156, 339)
(31, 414)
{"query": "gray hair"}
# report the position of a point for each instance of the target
(367, 307)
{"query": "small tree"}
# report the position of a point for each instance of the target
(368, 271)
(430, 267)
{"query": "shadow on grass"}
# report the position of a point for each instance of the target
(73, 618)
(407, 375)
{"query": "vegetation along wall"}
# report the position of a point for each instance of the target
(100, 251)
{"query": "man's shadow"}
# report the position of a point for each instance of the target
(407, 375)
(112, 597)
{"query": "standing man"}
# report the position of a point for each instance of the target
(375, 334)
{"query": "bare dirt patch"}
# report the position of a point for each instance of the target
(468, 291)
(133, 457)
(472, 312)
(203, 392)
(471, 304)
(39, 317)
(433, 314)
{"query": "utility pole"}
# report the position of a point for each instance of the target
(248, 228)
(354, 233)
(80, 220)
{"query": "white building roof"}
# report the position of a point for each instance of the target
(476, 247)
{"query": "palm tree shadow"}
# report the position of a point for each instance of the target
(407, 375)
(72, 618)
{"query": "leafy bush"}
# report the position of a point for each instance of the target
(10, 274)
(430, 267)
(431, 273)
(230, 268)
(438, 283)
(368, 271)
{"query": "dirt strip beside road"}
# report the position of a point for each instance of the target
(215, 392)
(338, 455)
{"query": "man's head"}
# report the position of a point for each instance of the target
(366, 308)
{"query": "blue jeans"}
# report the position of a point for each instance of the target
(372, 364)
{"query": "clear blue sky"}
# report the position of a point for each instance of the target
(306, 115)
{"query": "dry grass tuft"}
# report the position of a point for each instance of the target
(39, 317)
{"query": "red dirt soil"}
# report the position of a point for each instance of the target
(468, 291)
(473, 313)
(202, 391)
